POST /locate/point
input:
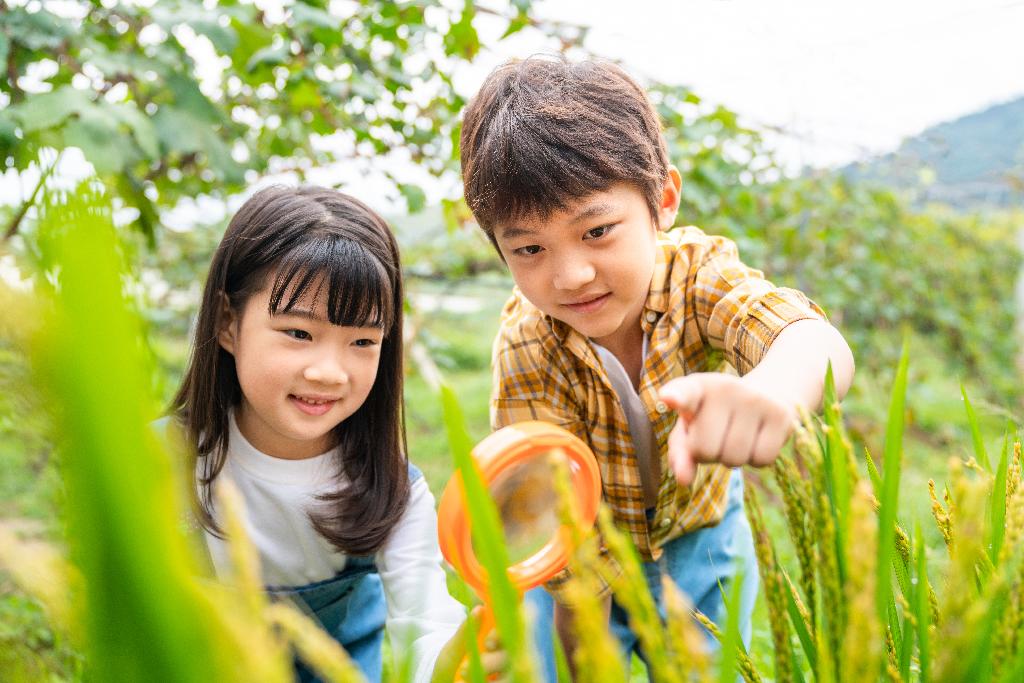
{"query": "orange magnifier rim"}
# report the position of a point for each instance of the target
(497, 454)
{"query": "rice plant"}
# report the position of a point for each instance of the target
(863, 599)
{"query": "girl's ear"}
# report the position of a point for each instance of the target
(670, 196)
(227, 326)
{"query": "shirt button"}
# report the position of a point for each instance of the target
(665, 522)
(651, 316)
(661, 407)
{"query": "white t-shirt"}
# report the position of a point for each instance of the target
(277, 494)
(640, 428)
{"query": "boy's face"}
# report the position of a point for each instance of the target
(590, 265)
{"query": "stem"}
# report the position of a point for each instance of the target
(12, 227)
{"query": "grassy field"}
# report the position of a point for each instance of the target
(456, 323)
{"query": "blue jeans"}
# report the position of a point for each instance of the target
(696, 562)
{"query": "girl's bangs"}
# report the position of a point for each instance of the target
(355, 286)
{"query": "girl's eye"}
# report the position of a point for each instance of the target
(597, 233)
(528, 250)
(365, 342)
(299, 334)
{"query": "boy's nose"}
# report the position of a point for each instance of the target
(571, 275)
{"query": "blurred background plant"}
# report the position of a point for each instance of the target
(178, 108)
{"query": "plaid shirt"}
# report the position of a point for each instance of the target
(703, 304)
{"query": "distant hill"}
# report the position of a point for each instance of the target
(972, 162)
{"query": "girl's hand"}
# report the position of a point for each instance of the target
(450, 661)
(725, 419)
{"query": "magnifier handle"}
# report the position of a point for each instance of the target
(487, 624)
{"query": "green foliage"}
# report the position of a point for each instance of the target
(283, 90)
(884, 606)
(141, 589)
(488, 543)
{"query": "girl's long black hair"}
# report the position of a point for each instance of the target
(302, 241)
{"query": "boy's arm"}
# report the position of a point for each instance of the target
(794, 367)
(738, 421)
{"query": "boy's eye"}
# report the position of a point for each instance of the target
(598, 232)
(299, 334)
(528, 250)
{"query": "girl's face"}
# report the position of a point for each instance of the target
(300, 375)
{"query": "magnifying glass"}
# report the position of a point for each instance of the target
(518, 464)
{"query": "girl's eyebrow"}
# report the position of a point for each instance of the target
(299, 313)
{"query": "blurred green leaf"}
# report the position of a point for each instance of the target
(98, 137)
(51, 108)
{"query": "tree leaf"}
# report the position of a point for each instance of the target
(44, 110)
(187, 95)
(178, 130)
(224, 38)
(141, 126)
(98, 138)
(462, 38)
(415, 198)
(267, 56)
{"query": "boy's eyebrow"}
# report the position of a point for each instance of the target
(512, 232)
(598, 209)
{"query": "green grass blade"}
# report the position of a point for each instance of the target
(148, 617)
(488, 536)
(873, 475)
(976, 438)
(998, 509)
(920, 605)
(732, 643)
(800, 626)
(906, 649)
(890, 486)
(836, 461)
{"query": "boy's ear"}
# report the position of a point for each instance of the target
(669, 206)
(226, 322)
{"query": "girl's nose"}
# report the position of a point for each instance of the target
(326, 370)
(573, 274)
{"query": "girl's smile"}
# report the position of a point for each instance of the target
(313, 406)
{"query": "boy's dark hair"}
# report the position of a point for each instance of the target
(301, 242)
(543, 132)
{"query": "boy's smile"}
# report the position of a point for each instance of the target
(590, 265)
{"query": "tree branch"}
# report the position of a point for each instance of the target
(12, 227)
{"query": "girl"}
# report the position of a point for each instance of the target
(294, 392)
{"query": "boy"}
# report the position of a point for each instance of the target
(613, 325)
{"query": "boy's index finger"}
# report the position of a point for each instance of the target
(683, 395)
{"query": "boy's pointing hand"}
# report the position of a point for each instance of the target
(724, 419)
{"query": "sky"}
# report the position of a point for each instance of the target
(848, 79)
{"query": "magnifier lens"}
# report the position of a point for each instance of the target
(528, 504)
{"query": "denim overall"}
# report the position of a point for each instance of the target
(350, 606)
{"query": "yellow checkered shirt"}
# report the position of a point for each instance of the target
(703, 304)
